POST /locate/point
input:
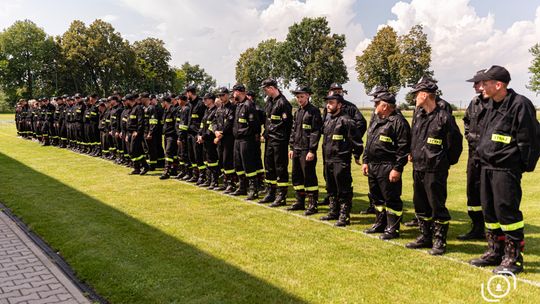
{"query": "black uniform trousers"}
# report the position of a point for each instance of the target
(385, 194)
(79, 132)
(106, 141)
(501, 196)
(226, 154)
(304, 175)
(245, 161)
(473, 185)
(62, 132)
(276, 163)
(196, 152)
(338, 179)
(171, 150)
(183, 153)
(429, 196)
(153, 145)
(136, 150)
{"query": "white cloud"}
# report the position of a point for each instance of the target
(214, 38)
(463, 42)
(109, 18)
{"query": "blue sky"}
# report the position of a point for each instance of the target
(466, 35)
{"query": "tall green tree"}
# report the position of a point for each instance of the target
(152, 63)
(414, 56)
(379, 63)
(98, 58)
(395, 61)
(195, 75)
(26, 56)
(257, 64)
(314, 56)
(534, 69)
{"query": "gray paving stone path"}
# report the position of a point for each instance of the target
(27, 274)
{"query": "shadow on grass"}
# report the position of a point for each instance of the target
(125, 260)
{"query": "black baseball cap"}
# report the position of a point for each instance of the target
(302, 89)
(477, 76)
(336, 86)
(426, 84)
(269, 83)
(337, 97)
(386, 97)
(209, 96)
(239, 87)
(222, 91)
(378, 90)
(495, 72)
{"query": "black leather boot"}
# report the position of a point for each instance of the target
(440, 231)
(281, 197)
(333, 212)
(495, 250)
(513, 257)
(312, 203)
(300, 203)
(344, 213)
(391, 231)
(380, 220)
(424, 240)
(270, 194)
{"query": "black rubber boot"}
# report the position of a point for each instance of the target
(312, 203)
(513, 257)
(477, 230)
(252, 193)
(380, 221)
(344, 213)
(495, 250)
(207, 179)
(231, 187)
(194, 175)
(241, 186)
(165, 174)
(371, 208)
(189, 174)
(424, 239)
(440, 231)
(136, 168)
(281, 197)
(333, 212)
(392, 226)
(223, 185)
(300, 203)
(202, 177)
(270, 194)
(145, 167)
(214, 176)
(181, 172)
(412, 223)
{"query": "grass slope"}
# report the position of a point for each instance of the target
(137, 239)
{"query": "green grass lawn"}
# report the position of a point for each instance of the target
(136, 239)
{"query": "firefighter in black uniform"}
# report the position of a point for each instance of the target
(206, 137)
(277, 132)
(245, 130)
(342, 139)
(473, 120)
(154, 132)
(195, 149)
(127, 107)
(387, 149)
(183, 117)
(436, 144)
(427, 80)
(135, 127)
(59, 121)
(70, 120)
(304, 142)
(53, 130)
(91, 126)
(509, 145)
(47, 114)
(152, 129)
(351, 110)
(251, 96)
(78, 118)
(116, 128)
(171, 148)
(223, 130)
(104, 127)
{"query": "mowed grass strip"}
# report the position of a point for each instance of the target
(141, 240)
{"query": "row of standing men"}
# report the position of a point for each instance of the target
(216, 138)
